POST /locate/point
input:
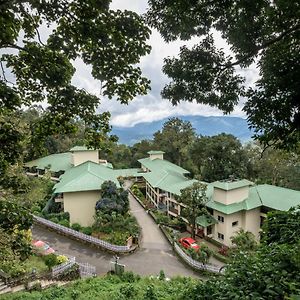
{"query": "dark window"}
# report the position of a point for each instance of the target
(220, 236)
(221, 219)
(235, 223)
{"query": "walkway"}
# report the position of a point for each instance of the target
(154, 255)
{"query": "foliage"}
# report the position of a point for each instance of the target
(221, 156)
(137, 192)
(37, 68)
(112, 199)
(118, 227)
(112, 287)
(174, 139)
(282, 227)
(244, 241)
(87, 230)
(260, 32)
(194, 197)
(64, 222)
(61, 259)
(50, 260)
(76, 226)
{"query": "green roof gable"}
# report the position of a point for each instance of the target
(160, 165)
(87, 176)
(54, 162)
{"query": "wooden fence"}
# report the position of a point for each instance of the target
(83, 237)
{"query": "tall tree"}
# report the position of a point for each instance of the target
(174, 139)
(218, 157)
(194, 197)
(265, 33)
(37, 67)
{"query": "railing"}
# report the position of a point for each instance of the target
(83, 237)
(86, 270)
(63, 267)
(173, 210)
(196, 264)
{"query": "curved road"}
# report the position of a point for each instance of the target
(155, 253)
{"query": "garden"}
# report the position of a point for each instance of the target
(112, 221)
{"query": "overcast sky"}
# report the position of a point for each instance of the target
(150, 107)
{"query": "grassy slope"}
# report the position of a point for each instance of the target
(113, 287)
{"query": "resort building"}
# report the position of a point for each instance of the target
(233, 204)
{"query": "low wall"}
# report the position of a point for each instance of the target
(83, 237)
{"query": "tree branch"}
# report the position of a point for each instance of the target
(264, 45)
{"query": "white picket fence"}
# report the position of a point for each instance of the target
(63, 267)
(86, 270)
(196, 264)
(82, 236)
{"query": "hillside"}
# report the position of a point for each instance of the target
(203, 125)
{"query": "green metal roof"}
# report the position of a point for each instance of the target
(278, 198)
(206, 220)
(169, 181)
(87, 176)
(270, 196)
(160, 165)
(80, 148)
(55, 162)
(231, 185)
(155, 152)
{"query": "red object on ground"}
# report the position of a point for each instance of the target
(42, 247)
(188, 243)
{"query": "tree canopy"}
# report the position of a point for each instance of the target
(264, 33)
(39, 42)
(194, 198)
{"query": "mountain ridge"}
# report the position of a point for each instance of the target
(203, 125)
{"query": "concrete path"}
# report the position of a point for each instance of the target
(155, 253)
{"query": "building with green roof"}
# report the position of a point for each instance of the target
(233, 204)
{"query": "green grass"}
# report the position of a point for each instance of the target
(35, 262)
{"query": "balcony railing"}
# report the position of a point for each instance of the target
(173, 210)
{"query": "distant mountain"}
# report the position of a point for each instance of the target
(203, 125)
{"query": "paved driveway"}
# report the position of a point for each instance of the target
(155, 253)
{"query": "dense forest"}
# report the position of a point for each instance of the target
(209, 158)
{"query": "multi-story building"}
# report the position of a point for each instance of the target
(233, 204)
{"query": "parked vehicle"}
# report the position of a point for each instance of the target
(188, 243)
(42, 248)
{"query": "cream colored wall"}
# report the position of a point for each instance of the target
(247, 220)
(81, 206)
(232, 196)
(252, 222)
(154, 156)
(80, 157)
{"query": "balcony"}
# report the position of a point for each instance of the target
(173, 210)
(162, 207)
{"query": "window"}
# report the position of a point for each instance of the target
(220, 236)
(221, 219)
(235, 223)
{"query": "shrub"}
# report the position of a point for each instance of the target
(65, 223)
(130, 277)
(61, 259)
(76, 226)
(50, 260)
(54, 220)
(87, 230)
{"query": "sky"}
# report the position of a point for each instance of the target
(152, 107)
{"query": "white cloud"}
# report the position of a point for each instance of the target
(152, 107)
